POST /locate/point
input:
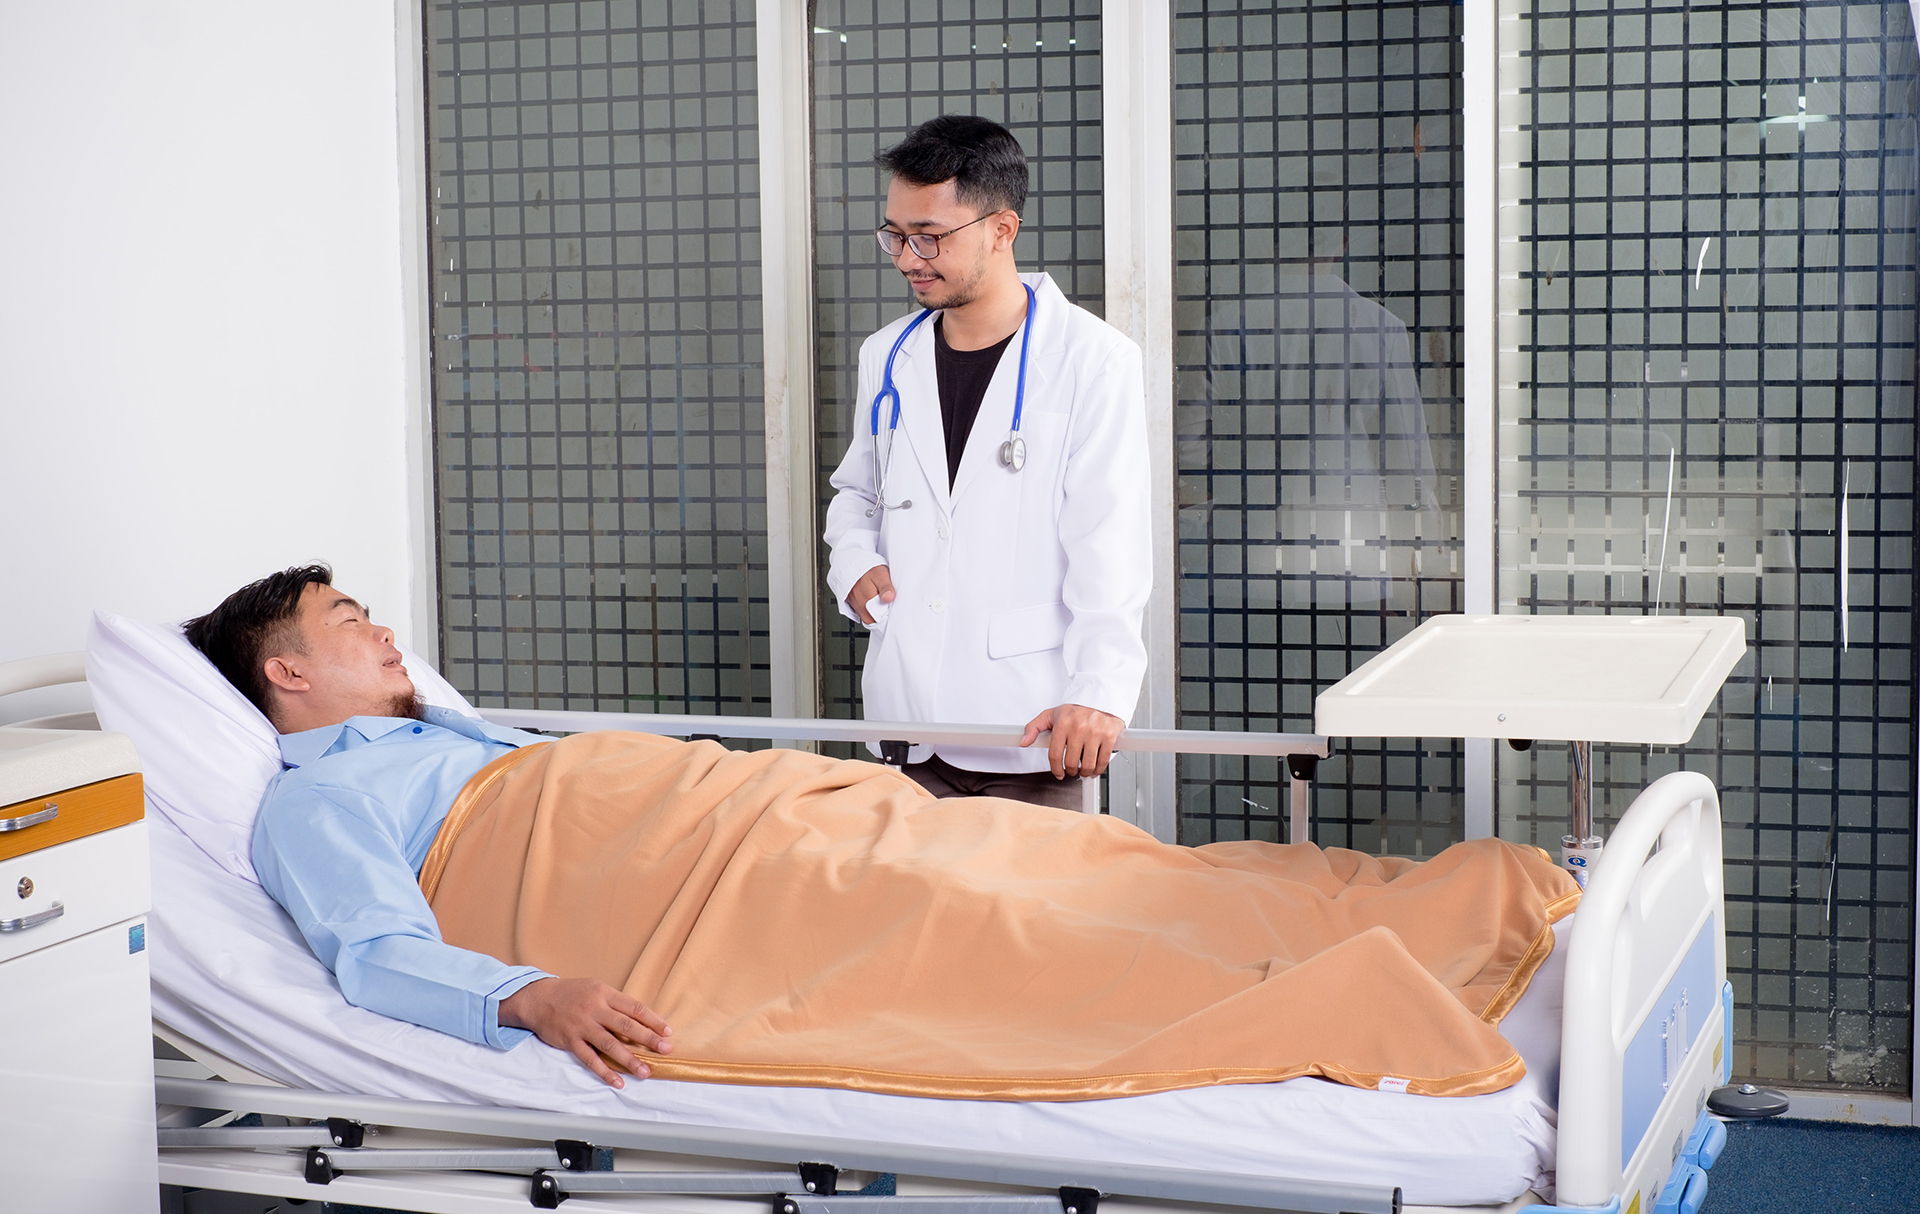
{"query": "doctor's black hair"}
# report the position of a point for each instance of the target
(982, 159)
(252, 624)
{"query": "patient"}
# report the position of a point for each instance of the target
(823, 922)
(370, 774)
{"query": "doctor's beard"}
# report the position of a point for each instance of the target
(952, 293)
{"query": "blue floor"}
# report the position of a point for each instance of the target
(1816, 1167)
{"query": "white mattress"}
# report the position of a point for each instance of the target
(231, 971)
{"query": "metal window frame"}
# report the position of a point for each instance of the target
(783, 53)
(1137, 184)
(416, 306)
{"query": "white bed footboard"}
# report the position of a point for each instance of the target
(1643, 1039)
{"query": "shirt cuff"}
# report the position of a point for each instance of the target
(1104, 693)
(499, 1036)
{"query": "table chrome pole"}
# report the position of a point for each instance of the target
(1580, 851)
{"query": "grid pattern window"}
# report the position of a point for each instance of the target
(596, 336)
(1707, 406)
(1318, 410)
(880, 68)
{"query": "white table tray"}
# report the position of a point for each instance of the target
(1636, 679)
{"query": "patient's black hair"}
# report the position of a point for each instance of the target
(253, 623)
(981, 158)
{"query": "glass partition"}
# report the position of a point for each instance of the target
(880, 68)
(1318, 413)
(596, 345)
(1706, 406)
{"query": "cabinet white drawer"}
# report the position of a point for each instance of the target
(70, 889)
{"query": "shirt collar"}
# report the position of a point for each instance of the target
(300, 749)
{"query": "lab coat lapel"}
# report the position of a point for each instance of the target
(995, 419)
(920, 422)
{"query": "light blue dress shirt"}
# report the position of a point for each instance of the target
(339, 843)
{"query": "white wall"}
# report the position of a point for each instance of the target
(207, 370)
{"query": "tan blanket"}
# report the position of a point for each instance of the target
(801, 920)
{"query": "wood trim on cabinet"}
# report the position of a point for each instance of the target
(86, 810)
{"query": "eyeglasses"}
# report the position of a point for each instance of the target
(925, 245)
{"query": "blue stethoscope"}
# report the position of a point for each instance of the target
(1013, 452)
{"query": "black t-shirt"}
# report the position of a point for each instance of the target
(963, 376)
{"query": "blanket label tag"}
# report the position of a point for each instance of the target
(1393, 1083)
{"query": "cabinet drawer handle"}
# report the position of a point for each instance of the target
(26, 921)
(48, 814)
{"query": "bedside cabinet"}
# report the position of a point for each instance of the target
(76, 1066)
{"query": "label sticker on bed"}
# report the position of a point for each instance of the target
(137, 938)
(1393, 1083)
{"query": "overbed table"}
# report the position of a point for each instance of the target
(1643, 680)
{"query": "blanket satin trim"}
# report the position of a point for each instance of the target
(435, 865)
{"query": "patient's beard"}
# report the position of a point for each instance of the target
(409, 705)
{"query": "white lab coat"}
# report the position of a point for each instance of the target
(1017, 592)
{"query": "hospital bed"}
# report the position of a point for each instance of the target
(356, 1108)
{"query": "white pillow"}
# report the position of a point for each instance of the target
(206, 752)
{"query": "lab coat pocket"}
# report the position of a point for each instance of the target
(1027, 630)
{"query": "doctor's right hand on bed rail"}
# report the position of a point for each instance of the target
(590, 1020)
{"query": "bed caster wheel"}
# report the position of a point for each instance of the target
(1745, 1102)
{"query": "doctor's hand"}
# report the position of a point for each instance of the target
(1082, 739)
(588, 1019)
(874, 582)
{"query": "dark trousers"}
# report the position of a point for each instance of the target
(943, 779)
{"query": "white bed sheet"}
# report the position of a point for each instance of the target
(230, 970)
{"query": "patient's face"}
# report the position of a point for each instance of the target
(350, 666)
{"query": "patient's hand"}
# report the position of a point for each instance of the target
(588, 1019)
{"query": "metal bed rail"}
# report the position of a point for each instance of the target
(1302, 751)
(571, 1158)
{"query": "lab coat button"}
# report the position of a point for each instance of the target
(946, 533)
(937, 606)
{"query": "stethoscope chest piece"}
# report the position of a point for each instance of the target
(1013, 453)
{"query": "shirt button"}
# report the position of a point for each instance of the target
(416, 729)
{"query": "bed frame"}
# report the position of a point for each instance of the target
(1645, 1038)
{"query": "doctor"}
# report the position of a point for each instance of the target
(991, 527)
